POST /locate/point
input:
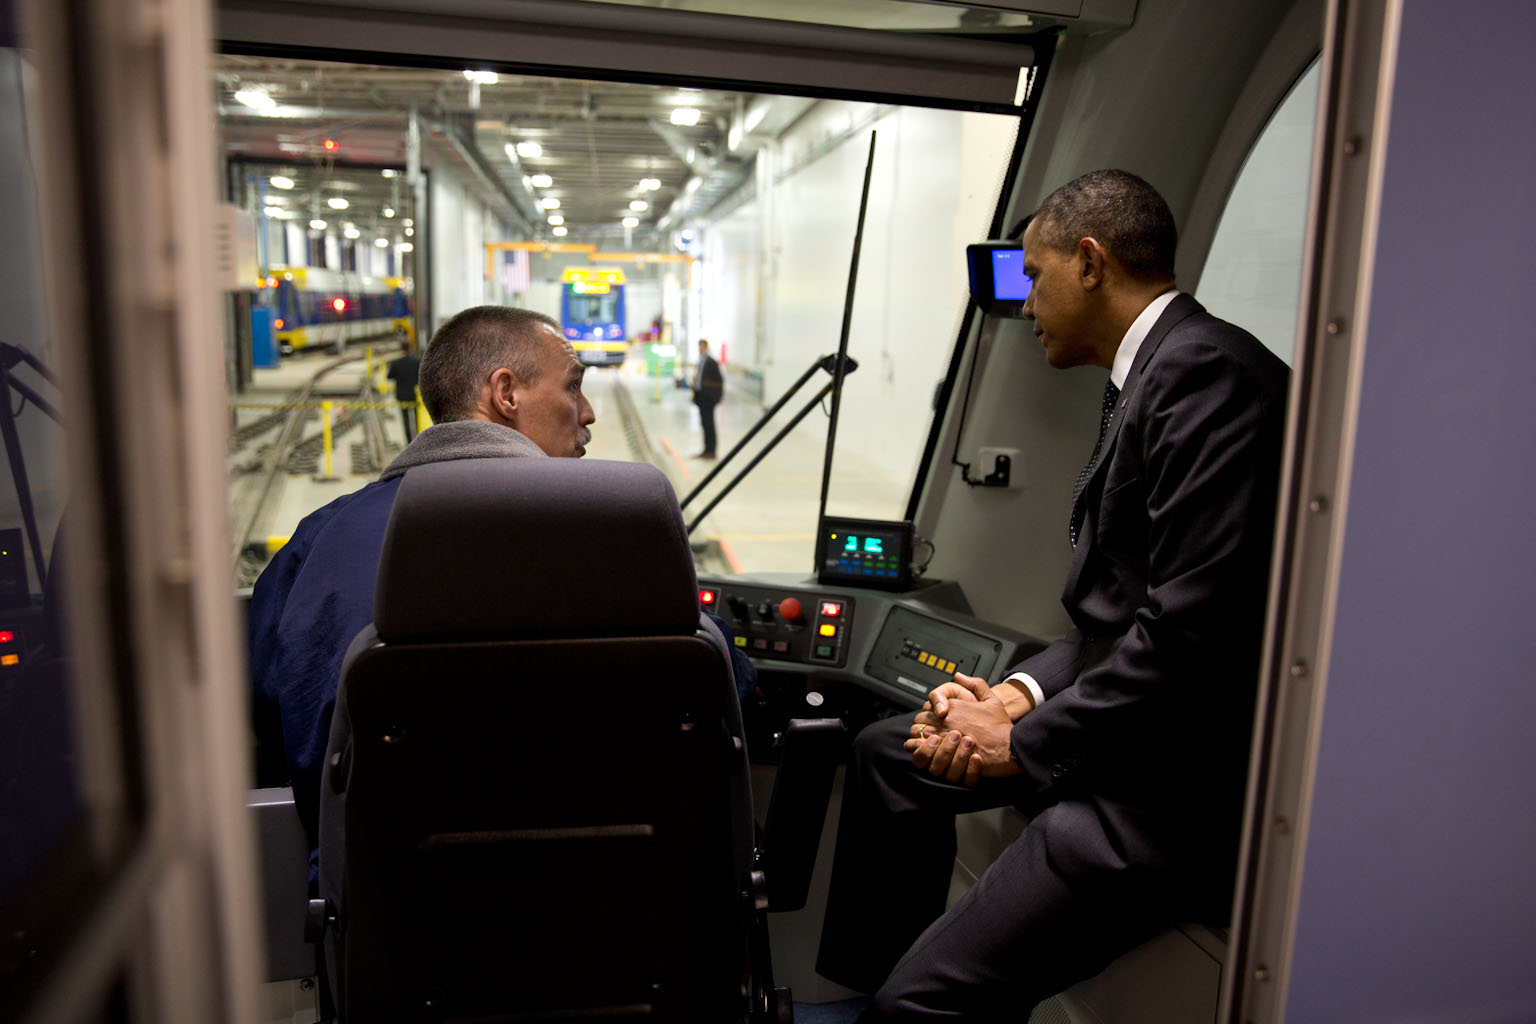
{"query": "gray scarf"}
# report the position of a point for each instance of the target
(462, 439)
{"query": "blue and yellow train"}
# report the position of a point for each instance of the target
(315, 308)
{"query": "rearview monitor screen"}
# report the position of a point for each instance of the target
(1008, 278)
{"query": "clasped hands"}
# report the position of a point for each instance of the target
(962, 734)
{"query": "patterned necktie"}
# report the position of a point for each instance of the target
(1110, 394)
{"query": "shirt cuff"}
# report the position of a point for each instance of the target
(1027, 681)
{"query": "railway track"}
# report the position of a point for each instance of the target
(295, 452)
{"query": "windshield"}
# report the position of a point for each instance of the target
(722, 229)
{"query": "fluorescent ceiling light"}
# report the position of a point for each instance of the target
(389, 172)
(550, 203)
(408, 222)
(352, 233)
(480, 77)
(650, 184)
(256, 99)
(409, 232)
(541, 181)
(274, 211)
(389, 211)
(631, 222)
(279, 181)
(337, 203)
(382, 243)
(529, 149)
(685, 116)
(559, 232)
(407, 247)
(639, 205)
(317, 224)
(556, 220)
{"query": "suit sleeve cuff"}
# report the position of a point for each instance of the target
(1027, 682)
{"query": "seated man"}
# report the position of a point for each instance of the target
(498, 383)
(1127, 740)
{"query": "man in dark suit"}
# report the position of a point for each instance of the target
(1126, 741)
(708, 386)
(405, 372)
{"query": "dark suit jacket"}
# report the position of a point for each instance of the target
(1149, 700)
(711, 385)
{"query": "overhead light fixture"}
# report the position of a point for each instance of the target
(337, 203)
(274, 211)
(529, 149)
(255, 98)
(639, 205)
(317, 224)
(352, 232)
(407, 247)
(556, 220)
(630, 222)
(408, 222)
(685, 116)
(409, 232)
(480, 77)
(273, 200)
(550, 203)
(389, 211)
(279, 181)
(382, 243)
(541, 181)
(559, 232)
(650, 184)
(389, 172)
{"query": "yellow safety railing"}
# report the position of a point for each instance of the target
(327, 407)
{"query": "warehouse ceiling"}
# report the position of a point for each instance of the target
(340, 130)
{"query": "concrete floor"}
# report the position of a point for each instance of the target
(766, 524)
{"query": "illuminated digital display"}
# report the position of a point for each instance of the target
(867, 552)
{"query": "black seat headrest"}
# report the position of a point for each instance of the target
(526, 548)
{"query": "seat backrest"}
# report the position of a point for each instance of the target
(536, 773)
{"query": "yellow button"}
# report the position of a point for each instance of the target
(741, 641)
(949, 666)
(10, 659)
(927, 659)
(827, 629)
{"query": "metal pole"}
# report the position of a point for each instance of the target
(842, 341)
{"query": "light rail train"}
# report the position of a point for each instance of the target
(592, 314)
(1382, 871)
(317, 308)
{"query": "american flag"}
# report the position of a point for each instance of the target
(516, 273)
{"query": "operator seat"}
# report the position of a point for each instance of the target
(536, 802)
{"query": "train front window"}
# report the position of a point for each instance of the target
(691, 244)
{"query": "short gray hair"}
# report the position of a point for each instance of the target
(472, 345)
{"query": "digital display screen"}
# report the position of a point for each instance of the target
(867, 552)
(999, 285)
(1008, 278)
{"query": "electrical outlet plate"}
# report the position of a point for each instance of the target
(999, 467)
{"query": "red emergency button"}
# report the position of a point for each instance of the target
(706, 596)
(6, 636)
(789, 610)
(831, 609)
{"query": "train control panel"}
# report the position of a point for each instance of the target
(897, 645)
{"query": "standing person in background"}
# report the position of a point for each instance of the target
(404, 372)
(708, 387)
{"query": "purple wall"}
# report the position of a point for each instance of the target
(1419, 894)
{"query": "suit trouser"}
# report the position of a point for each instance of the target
(707, 421)
(1045, 915)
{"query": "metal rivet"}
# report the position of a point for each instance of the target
(1298, 669)
(1352, 145)
(1319, 503)
(1282, 827)
(1261, 973)
(1335, 326)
